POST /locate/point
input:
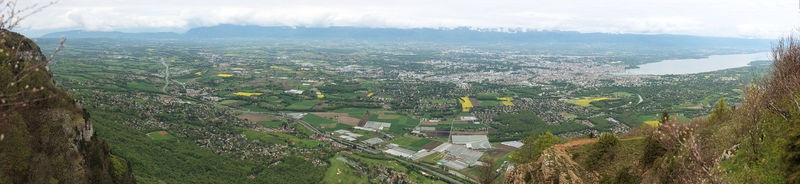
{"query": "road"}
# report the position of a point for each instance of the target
(367, 149)
(640, 99)
(166, 75)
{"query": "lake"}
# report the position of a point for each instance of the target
(691, 66)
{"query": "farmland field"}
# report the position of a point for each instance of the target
(324, 123)
(303, 105)
(353, 112)
(411, 142)
(439, 101)
(226, 102)
(400, 125)
(489, 103)
(160, 135)
(270, 124)
(585, 101)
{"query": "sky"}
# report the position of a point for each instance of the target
(722, 18)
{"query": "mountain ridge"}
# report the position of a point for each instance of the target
(431, 35)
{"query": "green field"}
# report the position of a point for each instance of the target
(400, 125)
(270, 124)
(469, 126)
(303, 105)
(569, 116)
(324, 123)
(622, 94)
(353, 112)
(157, 136)
(226, 102)
(270, 138)
(411, 142)
(489, 103)
(439, 101)
(340, 172)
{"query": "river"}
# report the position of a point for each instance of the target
(691, 66)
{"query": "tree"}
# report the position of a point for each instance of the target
(652, 150)
(533, 147)
(721, 112)
(602, 150)
(487, 172)
(664, 117)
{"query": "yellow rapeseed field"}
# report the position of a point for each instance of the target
(652, 123)
(506, 101)
(585, 101)
(247, 94)
(466, 105)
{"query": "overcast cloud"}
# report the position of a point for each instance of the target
(728, 18)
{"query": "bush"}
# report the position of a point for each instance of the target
(623, 176)
(602, 150)
(652, 150)
(533, 147)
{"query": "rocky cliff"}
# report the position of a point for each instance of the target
(45, 136)
(555, 165)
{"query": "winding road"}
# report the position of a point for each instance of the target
(640, 99)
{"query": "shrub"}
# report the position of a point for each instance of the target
(652, 150)
(623, 176)
(602, 150)
(533, 147)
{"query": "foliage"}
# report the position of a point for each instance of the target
(290, 170)
(602, 151)
(623, 176)
(487, 173)
(514, 125)
(533, 147)
(652, 150)
(721, 112)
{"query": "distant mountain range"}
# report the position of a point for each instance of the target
(441, 36)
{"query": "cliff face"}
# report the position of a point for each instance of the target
(45, 137)
(555, 165)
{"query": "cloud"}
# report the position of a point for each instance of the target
(732, 18)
